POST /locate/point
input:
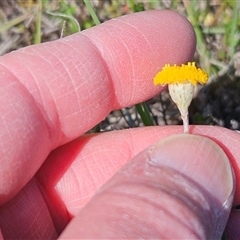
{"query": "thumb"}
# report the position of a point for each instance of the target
(180, 188)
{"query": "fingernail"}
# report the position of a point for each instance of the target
(198, 158)
(201, 168)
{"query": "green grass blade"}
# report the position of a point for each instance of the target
(7, 25)
(38, 24)
(232, 38)
(74, 20)
(92, 12)
(144, 113)
(95, 129)
(201, 46)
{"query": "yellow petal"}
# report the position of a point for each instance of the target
(181, 74)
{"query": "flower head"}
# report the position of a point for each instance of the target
(181, 74)
(181, 81)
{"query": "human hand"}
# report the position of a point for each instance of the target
(52, 93)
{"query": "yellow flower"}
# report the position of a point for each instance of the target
(181, 81)
(181, 74)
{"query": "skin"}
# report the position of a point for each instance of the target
(54, 92)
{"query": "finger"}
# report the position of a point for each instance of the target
(54, 92)
(180, 188)
(74, 172)
(26, 216)
(88, 162)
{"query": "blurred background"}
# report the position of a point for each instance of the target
(217, 27)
